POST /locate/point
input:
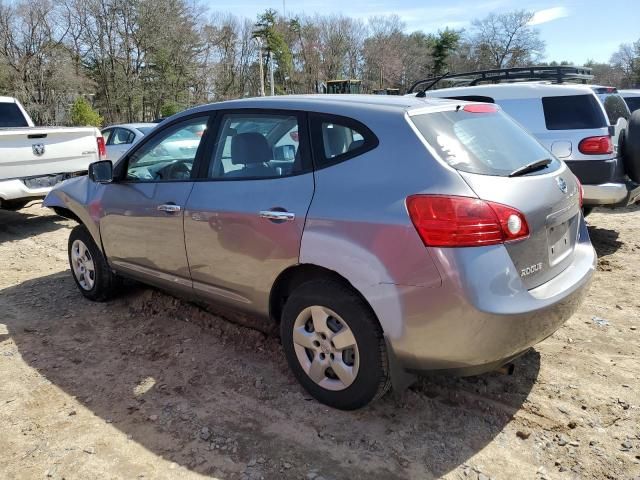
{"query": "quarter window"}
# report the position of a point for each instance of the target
(257, 145)
(170, 154)
(339, 138)
(573, 112)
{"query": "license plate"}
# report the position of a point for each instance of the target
(560, 243)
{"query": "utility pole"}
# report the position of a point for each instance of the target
(259, 40)
(273, 92)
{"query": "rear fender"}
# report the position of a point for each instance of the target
(81, 197)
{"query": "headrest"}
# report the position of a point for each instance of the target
(249, 148)
(335, 142)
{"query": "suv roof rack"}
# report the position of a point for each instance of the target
(559, 74)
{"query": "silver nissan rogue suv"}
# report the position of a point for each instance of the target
(386, 235)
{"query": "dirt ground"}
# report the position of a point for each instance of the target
(148, 386)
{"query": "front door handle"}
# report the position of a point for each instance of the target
(169, 208)
(278, 216)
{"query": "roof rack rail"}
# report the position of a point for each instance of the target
(559, 74)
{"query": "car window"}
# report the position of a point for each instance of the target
(572, 112)
(633, 103)
(256, 146)
(616, 108)
(484, 143)
(122, 136)
(106, 134)
(340, 138)
(170, 154)
(11, 116)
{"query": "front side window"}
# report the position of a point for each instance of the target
(256, 145)
(170, 154)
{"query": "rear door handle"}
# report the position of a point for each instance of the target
(169, 208)
(278, 216)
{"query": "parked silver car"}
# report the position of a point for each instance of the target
(386, 235)
(120, 138)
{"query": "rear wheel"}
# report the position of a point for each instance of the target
(631, 147)
(334, 345)
(92, 275)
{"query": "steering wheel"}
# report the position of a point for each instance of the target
(180, 170)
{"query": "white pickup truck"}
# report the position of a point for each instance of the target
(34, 159)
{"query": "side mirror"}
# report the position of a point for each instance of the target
(285, 153)
(101, 172)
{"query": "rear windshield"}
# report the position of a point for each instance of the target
(145, 130)
(572, 112)
(633, 103)
(11, 116)
(484, 143)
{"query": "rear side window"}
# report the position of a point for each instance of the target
(616, 108)
(11, 116)
(572, 112)
(339, 138)
(483, 143)
(633, 103)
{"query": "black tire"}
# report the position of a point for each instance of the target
(631, 147)
(104, 281)
(372, 379)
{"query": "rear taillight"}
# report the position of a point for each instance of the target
(102, 148)
(480, 108)
(596, 145)
(580, 191)
(450, 221)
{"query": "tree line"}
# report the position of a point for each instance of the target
(136, 60)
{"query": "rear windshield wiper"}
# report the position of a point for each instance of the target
(531, 167)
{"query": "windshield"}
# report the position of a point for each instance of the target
(484, 143)
(11, 116)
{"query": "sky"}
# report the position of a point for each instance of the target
(574, 30)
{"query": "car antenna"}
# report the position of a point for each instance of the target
(422, 93)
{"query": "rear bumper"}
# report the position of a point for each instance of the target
(17, 189)
(483, 316)
(611, 194)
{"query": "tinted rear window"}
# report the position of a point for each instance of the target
(145, 130)
(616, 108)
(633, 103)
(11, 116)
(484, 143)
(572, 112)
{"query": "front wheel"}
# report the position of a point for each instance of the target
(334, 345)
(92, 275)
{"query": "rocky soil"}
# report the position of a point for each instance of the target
(149, 386)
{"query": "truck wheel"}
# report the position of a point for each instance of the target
(334, 345)
(631, 147)
(92, 275)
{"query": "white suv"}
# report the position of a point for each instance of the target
(584, 125)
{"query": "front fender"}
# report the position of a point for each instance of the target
(80, 196)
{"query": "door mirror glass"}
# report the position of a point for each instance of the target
(285, 153)
(101, 172)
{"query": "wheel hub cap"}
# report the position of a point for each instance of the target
(326, 348)
(82, 265)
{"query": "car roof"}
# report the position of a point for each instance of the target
(327, 103)
(630, 92)
(7, 100)
(132, 125)
(504, 91)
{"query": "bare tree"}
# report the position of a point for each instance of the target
(506, 40)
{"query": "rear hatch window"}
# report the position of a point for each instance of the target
(488, 143)
(11, 116)
(573, 112)
(633, 103)
(615, 107)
